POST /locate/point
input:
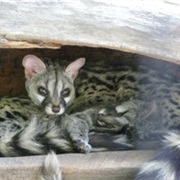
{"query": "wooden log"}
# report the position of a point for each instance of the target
(149, 28)
(98, 166)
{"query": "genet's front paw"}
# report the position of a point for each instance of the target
(110, 118)
(83, 147)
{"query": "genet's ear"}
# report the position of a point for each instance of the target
(73, 68)
(32, 65)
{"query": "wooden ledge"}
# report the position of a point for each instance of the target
(99, 166)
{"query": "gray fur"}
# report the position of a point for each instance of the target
(29, 128)
(97, 85)
(166, 166)
(51, 168)
(45, 85)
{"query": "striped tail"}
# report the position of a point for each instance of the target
(37, 138)
(166, 166)
(51, 168)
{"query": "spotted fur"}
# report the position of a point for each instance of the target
(35, 125)
(98, 86)
(106, 84)
(50, 87)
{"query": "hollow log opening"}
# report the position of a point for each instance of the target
(12, 83)
(12, 73)
(132, 33)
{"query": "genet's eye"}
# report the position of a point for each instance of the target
(65, 92)
(42, 91)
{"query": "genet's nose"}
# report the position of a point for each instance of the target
(55, 108)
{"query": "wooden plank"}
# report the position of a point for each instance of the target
(99, 166)
(146, 27)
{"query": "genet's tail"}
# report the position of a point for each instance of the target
(166, 166)
(37, 138)
(51, 168)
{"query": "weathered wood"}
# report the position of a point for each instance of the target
(146, 27)
(98, 166)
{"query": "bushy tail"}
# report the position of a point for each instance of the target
(51, 168)
(166, 166)
(37, 138)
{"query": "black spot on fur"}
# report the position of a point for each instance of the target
(131, 78)
(94, 87)
(98, 81)
(90, 93)
(86, 88)
(2, 119)
(16, 113)
(103, 89)
(109, 78)
(16, 126)
(121, 78)
(98, 99)
(171, 110)
(173, 116)
(25, 103)
(178, 107)
(9, 115)
(174, 102)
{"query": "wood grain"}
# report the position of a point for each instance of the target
(148, 27)
(94, 166)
